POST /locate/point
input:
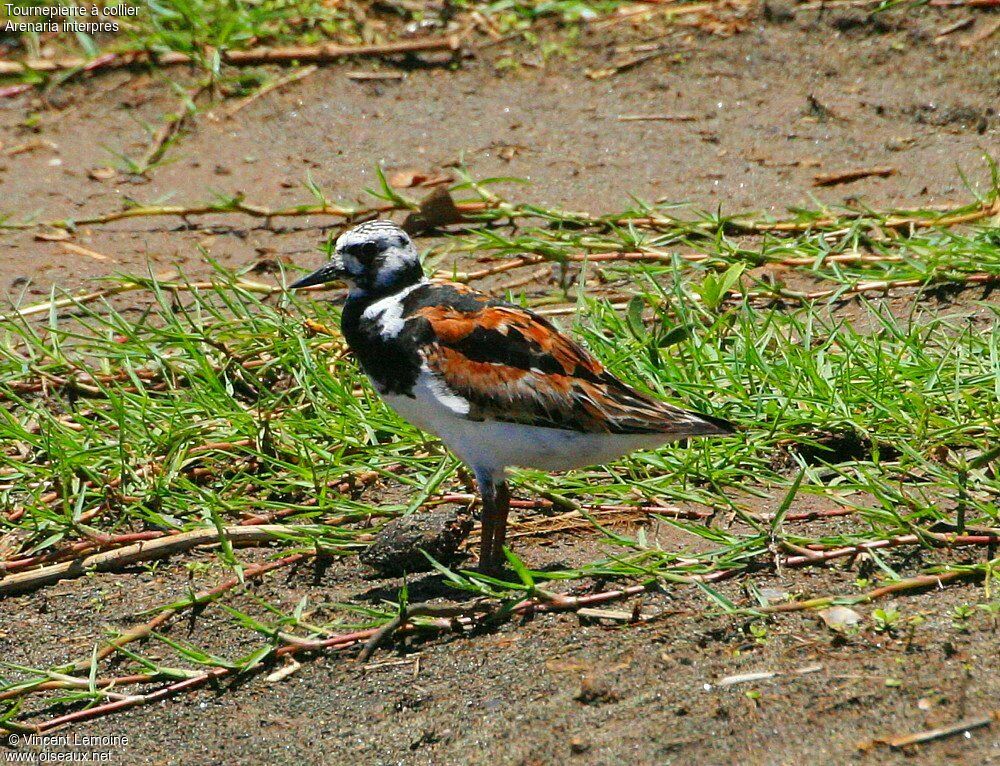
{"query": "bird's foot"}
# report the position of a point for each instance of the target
(493, 569)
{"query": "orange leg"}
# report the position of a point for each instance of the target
(496, 506)
(500, 530)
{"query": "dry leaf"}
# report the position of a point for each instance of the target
(507, 152)
(839, 618)
(436, 209)
(11, 544)
(102, 174)
(407, 179)
(317, 328)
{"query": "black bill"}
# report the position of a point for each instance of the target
(328, 272)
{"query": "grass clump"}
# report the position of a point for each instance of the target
(226, 402)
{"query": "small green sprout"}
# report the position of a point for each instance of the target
(886, 620)
(961, 615)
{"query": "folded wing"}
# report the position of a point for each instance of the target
(513, 365)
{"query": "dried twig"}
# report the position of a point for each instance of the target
(186, 211)
(840, 292)
(900, 586)
(299, 74)
(76, 300)
(968, 21)
(8, 91)
(641, 10)
(810, 515)
(30, 146)
(169, 131)
(881, 285)
(629, 63)
(985, 33)
(749, 226)
(418, 610)
(657, 117)
(162, 618)
(375, 76)
(294, 646)
(846, 176)
(263, 55)
(99, 711)
(960, 727)
(965, 3)
(85, 251)
(764, 675)
(532, 260)
(146, 550)
(111, 542)
(816, 555)
(236, 206)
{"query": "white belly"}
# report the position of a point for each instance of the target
(492, 445)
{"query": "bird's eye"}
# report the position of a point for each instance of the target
(368, 250)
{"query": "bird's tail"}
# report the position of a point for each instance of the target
(708, 425)
(630, 411)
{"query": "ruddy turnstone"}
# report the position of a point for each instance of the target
(499, 384)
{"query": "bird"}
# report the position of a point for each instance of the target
(498, 384)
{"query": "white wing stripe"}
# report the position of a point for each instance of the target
(387, 313)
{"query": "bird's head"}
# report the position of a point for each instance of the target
(374, 258)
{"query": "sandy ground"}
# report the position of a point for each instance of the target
(553, 689)
(892, 97)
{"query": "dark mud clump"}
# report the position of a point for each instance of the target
(962, 115)
(830, 447)
(398, 547)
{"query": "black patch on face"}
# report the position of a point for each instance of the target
(371, 254)
(365, 252)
